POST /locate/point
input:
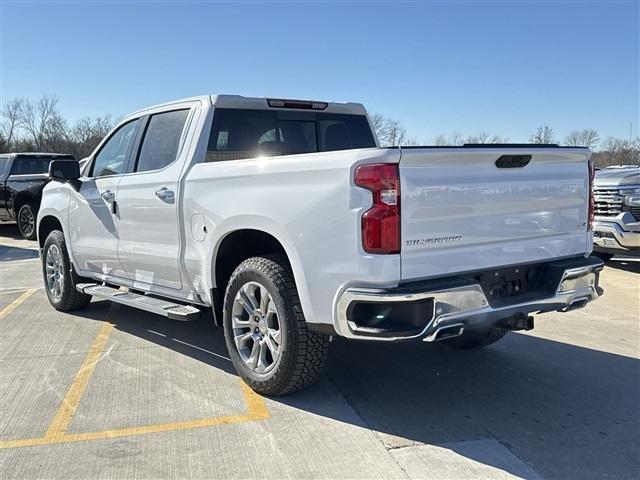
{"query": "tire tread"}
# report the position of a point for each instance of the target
(71, 299)
(311, 349)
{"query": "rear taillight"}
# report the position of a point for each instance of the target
(592, 173)
(381, 223)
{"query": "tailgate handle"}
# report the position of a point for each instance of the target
(513, 161)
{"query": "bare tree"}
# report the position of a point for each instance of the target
(440, 141)
(453, 140)
(484, 137)
(37, 118)
(30, 126)
(615, 151)
(456, 139)
(543, 135)
(583, 138)
(377, 122)
(390, 132)
(12, 119)
(88, 132)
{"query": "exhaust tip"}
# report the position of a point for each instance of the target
(443, 333)
(575, 304)
(578, 303)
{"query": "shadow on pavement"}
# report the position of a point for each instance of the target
(14, 252)
(198, 339)
(10, 230)
(628, 264)
(566, 411)
(8, 253)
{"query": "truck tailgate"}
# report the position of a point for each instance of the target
(462, 212)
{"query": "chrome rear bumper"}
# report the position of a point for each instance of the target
(468, 306)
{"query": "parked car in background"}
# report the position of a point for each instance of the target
(616, 229)
(288, 220)
(22, 178)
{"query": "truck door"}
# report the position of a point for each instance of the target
(93, 221)
(147, 198)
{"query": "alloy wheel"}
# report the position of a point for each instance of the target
(54, 271)
(256, 328)
(26, 222)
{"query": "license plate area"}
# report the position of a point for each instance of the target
(509, 285)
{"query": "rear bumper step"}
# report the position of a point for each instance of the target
(439, 309)
(174, 311)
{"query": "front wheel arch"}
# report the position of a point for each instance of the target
(47, 225)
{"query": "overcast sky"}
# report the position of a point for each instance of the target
(501, 67)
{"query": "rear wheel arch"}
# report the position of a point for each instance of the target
(232, 249)
(22, 198)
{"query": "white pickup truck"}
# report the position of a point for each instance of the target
(288, 220)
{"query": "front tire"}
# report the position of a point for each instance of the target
(477, 339)
(59, 279)
(265, 330)
(26, 220)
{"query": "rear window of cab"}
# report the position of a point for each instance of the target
(238, 134)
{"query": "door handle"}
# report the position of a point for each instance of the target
(164, 193)
(108, 196)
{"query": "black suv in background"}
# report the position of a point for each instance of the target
(22, 178)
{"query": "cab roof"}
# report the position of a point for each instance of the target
(38, 154)
(264, 103)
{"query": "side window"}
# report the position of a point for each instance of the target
(161, 140)
(30, 165)
(112, 158)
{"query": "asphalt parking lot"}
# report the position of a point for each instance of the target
(111, 392)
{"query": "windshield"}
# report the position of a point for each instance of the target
(237, 133)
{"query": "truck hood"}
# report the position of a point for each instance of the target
(616, 177)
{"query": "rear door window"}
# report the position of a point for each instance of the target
(161, 140)
(238, 134)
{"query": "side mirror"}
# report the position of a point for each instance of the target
(64, 170)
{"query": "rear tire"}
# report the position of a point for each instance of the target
(59, 279)
(26, 220)
(265, 330)
(477, 339)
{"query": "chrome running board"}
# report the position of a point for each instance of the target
(174, 311)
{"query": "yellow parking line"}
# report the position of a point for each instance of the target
(13, 305)
(71, 400)
(257, 410)
(56, 433)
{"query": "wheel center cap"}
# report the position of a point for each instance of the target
(262, 326)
